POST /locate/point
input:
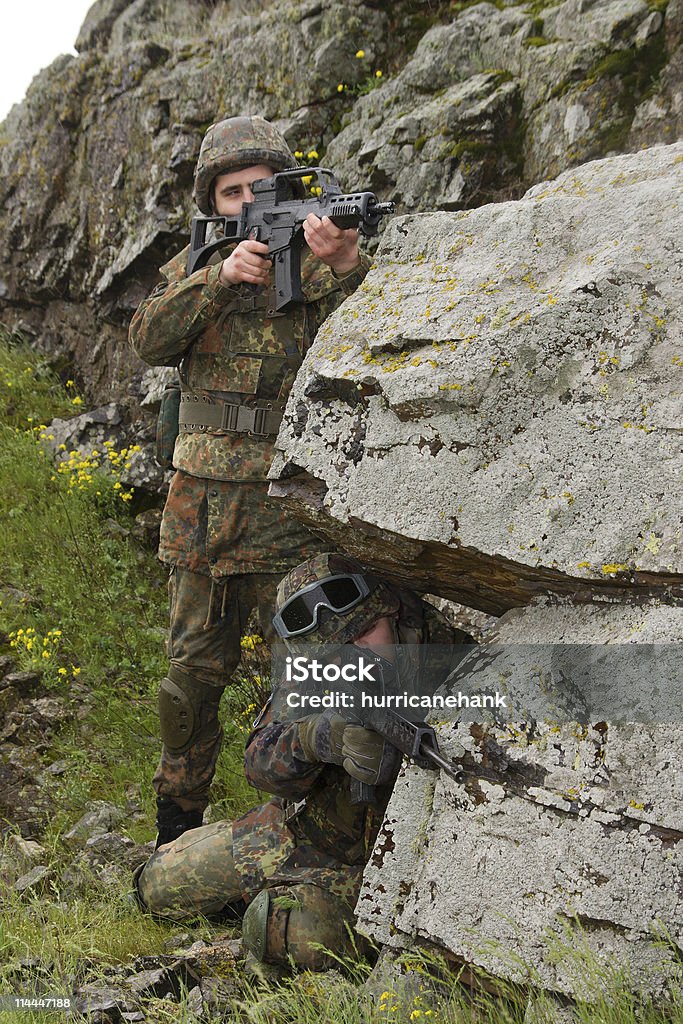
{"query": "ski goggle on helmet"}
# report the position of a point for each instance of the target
(320, 595)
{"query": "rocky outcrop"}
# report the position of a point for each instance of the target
(495, 416)
(556, 863)
(498, 407)
(503, 97)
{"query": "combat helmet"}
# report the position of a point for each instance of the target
(233, 143)
(330, 599)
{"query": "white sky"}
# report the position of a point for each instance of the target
(31, 37)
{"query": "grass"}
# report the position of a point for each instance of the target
(75, 583)
(84, 602)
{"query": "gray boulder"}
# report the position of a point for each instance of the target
(559, 857)
(498, 407)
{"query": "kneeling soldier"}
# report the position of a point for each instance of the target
(297, 861)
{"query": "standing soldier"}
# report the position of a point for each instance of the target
(297, 861)
(226, 542)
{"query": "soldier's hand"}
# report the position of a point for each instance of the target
(321, 737)
(369, 758)
(337, 247)
(247, 263)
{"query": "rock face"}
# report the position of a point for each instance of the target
(501, 97)
(96, 163)
(496, 414)
(558, 860)
(498, 407)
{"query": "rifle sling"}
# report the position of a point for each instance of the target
(199, 413)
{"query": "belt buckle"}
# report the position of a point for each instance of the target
(295, 810)
(260, 413)
(229, 416)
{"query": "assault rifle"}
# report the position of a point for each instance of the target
(277, 216)
(415, 740)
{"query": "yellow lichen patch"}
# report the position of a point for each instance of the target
(388, 363)
(583, 565)
(450, 387)
(521, 318)
(501, 316)
(653, 543)
(610, 568)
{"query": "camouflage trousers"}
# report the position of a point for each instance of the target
(210, 868)
(207, 620)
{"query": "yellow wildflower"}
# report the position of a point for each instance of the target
(360, 53)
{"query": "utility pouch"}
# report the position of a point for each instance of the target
(167, 424)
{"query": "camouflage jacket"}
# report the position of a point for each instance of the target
(317, 796)
(227, 347)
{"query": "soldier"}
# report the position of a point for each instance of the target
(226, 542)
(297, 861)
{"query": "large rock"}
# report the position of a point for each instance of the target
(559, 857)
(496, 412)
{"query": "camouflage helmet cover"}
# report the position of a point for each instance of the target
(334, 628)
(237, 142)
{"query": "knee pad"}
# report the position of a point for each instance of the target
(281, 923)
(186, 706)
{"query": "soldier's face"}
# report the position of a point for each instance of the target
(232, 189)
(379, 637)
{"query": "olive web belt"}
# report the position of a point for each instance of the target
(198, 413)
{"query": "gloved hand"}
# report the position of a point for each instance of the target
(369, 758)
(321, 737)
(172, 820)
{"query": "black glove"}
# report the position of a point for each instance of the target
(321, 737)
(369, 758)
(172, 820)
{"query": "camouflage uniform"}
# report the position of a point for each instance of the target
(228, 544)
(310, 843)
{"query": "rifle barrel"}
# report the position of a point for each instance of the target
(455, 773)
